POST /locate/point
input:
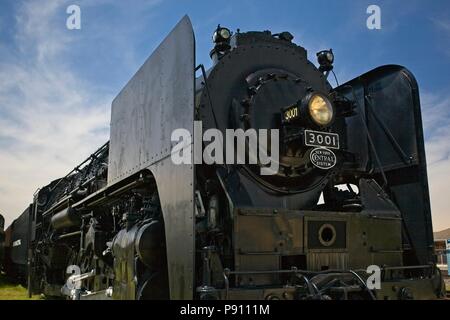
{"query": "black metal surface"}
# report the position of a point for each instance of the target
(157, 100)
(20, 239)
(388, 102)
(237, 82)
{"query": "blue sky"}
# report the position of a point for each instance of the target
(56, 85)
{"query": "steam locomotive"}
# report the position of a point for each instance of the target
(350, 191)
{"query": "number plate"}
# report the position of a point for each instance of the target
(321, 139)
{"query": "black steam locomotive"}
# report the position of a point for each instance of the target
(349, 195)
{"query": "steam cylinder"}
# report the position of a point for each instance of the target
(65, 219)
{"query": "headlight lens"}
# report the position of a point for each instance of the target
(221, 34)
(320, 110)
(225, 33)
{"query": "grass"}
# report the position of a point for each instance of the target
(13, 291)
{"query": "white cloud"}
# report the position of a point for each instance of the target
(49, 119)
(51, 116)
(436, 120)
(442, 24)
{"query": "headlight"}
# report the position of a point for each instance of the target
(225, 33)
(221, 34)
(320, 109)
